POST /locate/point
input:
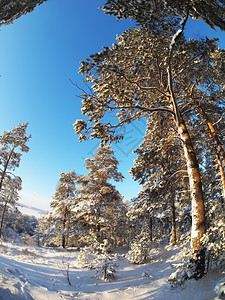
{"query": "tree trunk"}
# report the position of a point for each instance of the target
(5, 168)
(64, 227)
(2, 219)
(173, 222)
(220, 152)
(222, 174)
(150, 227)
(197, 200)
(63, 240)
(198, 207)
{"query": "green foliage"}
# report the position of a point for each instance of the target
(12, 141)
(63, 201)
(214, 244)
(140, 248)
(11, 10)
(18, 227)
(97, 257)
(99, 205)
(145, 12)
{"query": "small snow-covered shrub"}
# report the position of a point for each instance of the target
(105, 265)
(182, 274)
(27, 239)
(99, 259)
(192, 267)
(220, 289)
(146, 275)
(139, 253)
(140, 250)
(86, 257)
(214, 243)
(29, 253)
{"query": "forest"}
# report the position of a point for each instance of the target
(176, 84)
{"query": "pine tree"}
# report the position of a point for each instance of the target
(160, 167)
(12, 141)
(99, 202)
(145, 12)
(11, 10)
(142, 74)
(9, 196)
(63, 202)
(47, 231)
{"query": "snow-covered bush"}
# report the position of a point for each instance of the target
(220, 289)
(191, 267)
(65, 268)
(214, 243)
(105, 265)
(17, 226)
(27, 239)
(140, 247)
(140, 252)
(86, 257)
(179, 276)
(99, 259)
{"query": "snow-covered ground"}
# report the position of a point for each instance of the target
(30, 210)
(28, 272)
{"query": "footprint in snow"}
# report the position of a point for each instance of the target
(13, 271)
(17, 272)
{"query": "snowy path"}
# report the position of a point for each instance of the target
(36, 273)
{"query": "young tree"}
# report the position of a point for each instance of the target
(62, 203)
(11, 10)
(47, 231)
(12, 141)
(9, 196)
(99, 202)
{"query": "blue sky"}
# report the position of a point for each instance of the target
(39, 55)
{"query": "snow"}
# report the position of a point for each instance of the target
(31, 272)
(30, 210)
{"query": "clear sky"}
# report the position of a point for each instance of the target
(39, 55)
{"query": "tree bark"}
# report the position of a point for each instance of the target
(6, 166)
(64, 227)
(197, 200)
(150, 227)
(198, 207)
(2, 219)
(220, 152)
(173, 231)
